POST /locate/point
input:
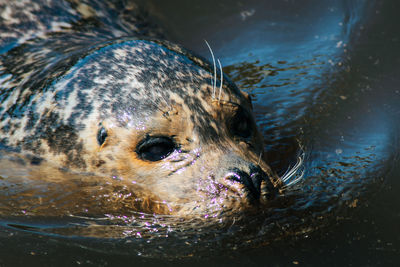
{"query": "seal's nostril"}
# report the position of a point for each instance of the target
(252, 183)
(233, 176)
(257, 184)
(256, 179)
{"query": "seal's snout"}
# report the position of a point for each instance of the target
(256, 184)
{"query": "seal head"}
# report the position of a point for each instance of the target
(145, 111)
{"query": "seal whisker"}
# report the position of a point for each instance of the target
(291, 172)
(296, 180)
(259, 158)
(213, 82)
(221, 82)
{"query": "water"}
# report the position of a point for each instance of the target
(324, 79)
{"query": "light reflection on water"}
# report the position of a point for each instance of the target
(316, 84)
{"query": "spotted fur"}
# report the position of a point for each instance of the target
(69, 68)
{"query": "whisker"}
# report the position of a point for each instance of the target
(221, 82)
(215, 70)
(293, 172)
(259, 158)
(296, 180)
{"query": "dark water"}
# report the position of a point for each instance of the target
(325, 79)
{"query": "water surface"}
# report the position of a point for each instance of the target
(324, 79)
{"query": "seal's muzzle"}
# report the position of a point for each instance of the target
(256, 183)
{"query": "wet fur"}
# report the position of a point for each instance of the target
(72, 74)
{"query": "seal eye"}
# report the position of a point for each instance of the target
(241, 124)
(155, 148)
(101, 136)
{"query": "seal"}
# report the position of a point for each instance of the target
(82, 88)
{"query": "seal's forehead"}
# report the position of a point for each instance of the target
(135, 77)
(138, 66)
